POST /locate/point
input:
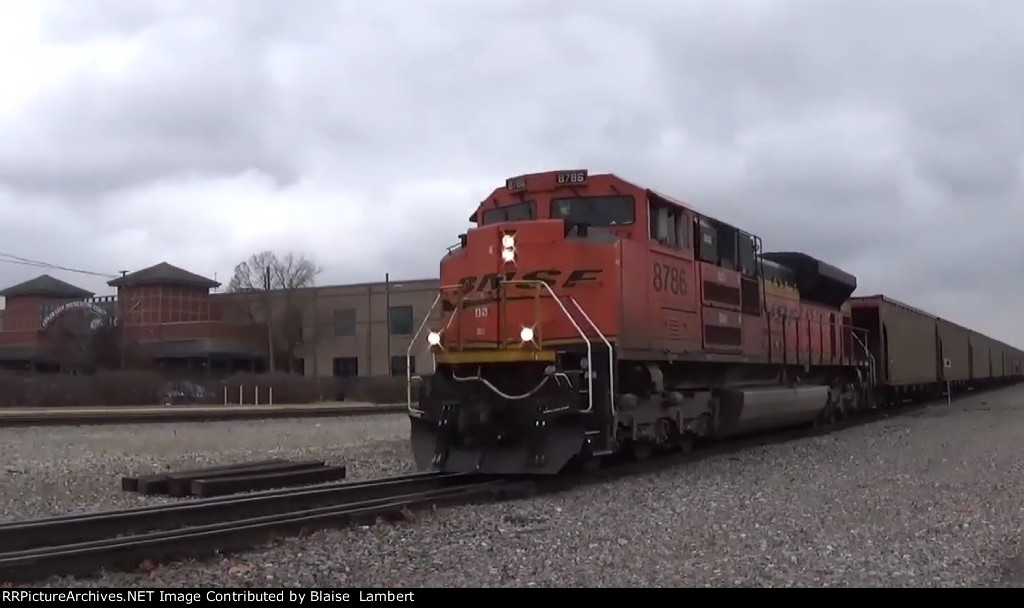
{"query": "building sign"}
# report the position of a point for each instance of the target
(94, 306)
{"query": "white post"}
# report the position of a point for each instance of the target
(256, 393)
(271, 396)
(241, 395)
(948, 365)
(225, 394)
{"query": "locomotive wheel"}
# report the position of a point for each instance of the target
(685, 443)
(829, 415)
(667, 436)
(585, 461)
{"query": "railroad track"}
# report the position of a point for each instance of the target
(83, 544)
(18, 417)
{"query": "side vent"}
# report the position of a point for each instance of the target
(722, 330)
(717, 335)
(721, 294)
(751, 297)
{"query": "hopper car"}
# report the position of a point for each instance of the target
(584, 316)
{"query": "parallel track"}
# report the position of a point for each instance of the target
(83, 544)
(199, 413)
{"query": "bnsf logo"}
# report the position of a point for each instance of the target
(473, 284)
(550, 276)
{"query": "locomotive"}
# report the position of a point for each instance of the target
(585, 316)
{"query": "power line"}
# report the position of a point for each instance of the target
(10, 258)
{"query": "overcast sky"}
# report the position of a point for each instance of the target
(884, 136)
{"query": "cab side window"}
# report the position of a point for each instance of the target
(669, 223)
(707, 241)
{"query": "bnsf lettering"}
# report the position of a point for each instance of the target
(550, 276)
(669, 279)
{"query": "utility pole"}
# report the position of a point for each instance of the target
(270, 330)
(119, 325)
(387, 316)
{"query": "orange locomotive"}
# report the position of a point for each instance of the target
(585, 316)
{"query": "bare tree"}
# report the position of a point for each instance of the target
(258, 278)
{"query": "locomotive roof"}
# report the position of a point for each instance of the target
(675, 201)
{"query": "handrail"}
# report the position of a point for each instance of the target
(579, 330)
(611, 355)
(536, 283)
(412, 342)
(871, 359)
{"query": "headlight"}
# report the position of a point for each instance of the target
(508, 248)
(526, 334)
(434, 338)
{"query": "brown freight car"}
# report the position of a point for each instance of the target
(981, 357)
(1015, 363)
(1008, 361)
(904, 343)
(955, 343)
(916, 354)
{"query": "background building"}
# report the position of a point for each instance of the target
(170, 316)
(365, 330)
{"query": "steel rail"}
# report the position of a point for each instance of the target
(20, 535)
(128, 551)
(112, 416)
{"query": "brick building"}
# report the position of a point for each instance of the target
(169, 315)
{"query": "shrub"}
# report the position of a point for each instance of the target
(134, 387)
(57, 390)
(375, 389)
(292, 388)
(287, 388)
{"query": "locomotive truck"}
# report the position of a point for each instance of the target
(584, 316)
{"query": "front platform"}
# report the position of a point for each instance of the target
(559, 445)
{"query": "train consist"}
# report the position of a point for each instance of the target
(585, 316)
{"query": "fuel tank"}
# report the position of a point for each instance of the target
(742, 411)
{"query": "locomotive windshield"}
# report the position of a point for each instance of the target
(519, 212)
(595, 210)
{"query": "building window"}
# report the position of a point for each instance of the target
(346, 367)
(345, 323)
(398, 365)
(400, 320)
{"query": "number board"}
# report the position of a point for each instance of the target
(515, 183)
(571, 178)
(667, 278)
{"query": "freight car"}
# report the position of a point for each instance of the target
(920, 355)
(585, 316)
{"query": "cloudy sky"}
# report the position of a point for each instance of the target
(886, 136)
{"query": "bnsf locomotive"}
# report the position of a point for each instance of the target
(585, 316)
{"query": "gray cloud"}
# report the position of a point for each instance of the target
(884, 136)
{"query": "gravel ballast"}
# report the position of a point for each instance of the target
(52, 470)
(931, 498)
